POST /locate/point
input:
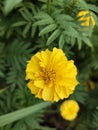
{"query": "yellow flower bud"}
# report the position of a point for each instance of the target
(69, 109)
(86, 20)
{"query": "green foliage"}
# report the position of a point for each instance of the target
(2, 60)
(18, 51)
(95, 120)
(27, 27)
(9, 5)
(30, 122)
(61, 27)
(14, 116)
(79, 95)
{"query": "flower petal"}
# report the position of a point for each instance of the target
(39, 83)
(48, 93)
(33, 89)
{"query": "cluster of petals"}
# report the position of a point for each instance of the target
(51, 76)
(86, 17)
(69, 109)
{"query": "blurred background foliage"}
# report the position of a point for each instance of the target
(28, 26)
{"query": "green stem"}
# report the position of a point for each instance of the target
(48, 6)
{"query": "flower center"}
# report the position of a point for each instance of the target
(48, 75)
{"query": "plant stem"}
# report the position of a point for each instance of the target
(48, 6)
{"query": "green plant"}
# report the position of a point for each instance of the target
(27, 27)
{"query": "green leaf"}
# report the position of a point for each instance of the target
(64, 17)
(72, 41)
(95, 119)
(27, 15)
(53, 36)
(79, 95)
(33, 30)
(95, 19)
(18, 51)
(26, 29)
(14, 116)
(71, 32)
(47, 29)
(93, 8)
(20, 23)
(87, 41)
(83, 4)
(61, 41)
(42, 15)
(43, 19)
(15, 77)
(2, 90)
(2, 59)
(79, 43)
(43, 22)
(10, 4)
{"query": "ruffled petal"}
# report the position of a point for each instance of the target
(48, 94)
(39, 83)
(33, 88)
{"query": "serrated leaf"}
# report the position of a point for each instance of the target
(64, 17)
(71, 32)
(79, 94)
(53, 36)
(26, 14)
(42, 15)
(47, 29)
(83, 4)
(87, 41)
(95, 118)
(18, 51)
(72, 41)
(20, 23)
(33, 30)
(15, 77)
(43, 22)
(10, 4)
(93, 8)
(26, 29)
(61, 41)
(90, 30)
(57, 11)
(79, 43)
(95, 18)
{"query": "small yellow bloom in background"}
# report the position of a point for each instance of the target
(69, 109)
(92, 85)
(87, 19)
(51, 75)
(89, 85)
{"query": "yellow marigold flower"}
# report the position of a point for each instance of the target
(69, 109)
(87, 19)
(51, 76)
